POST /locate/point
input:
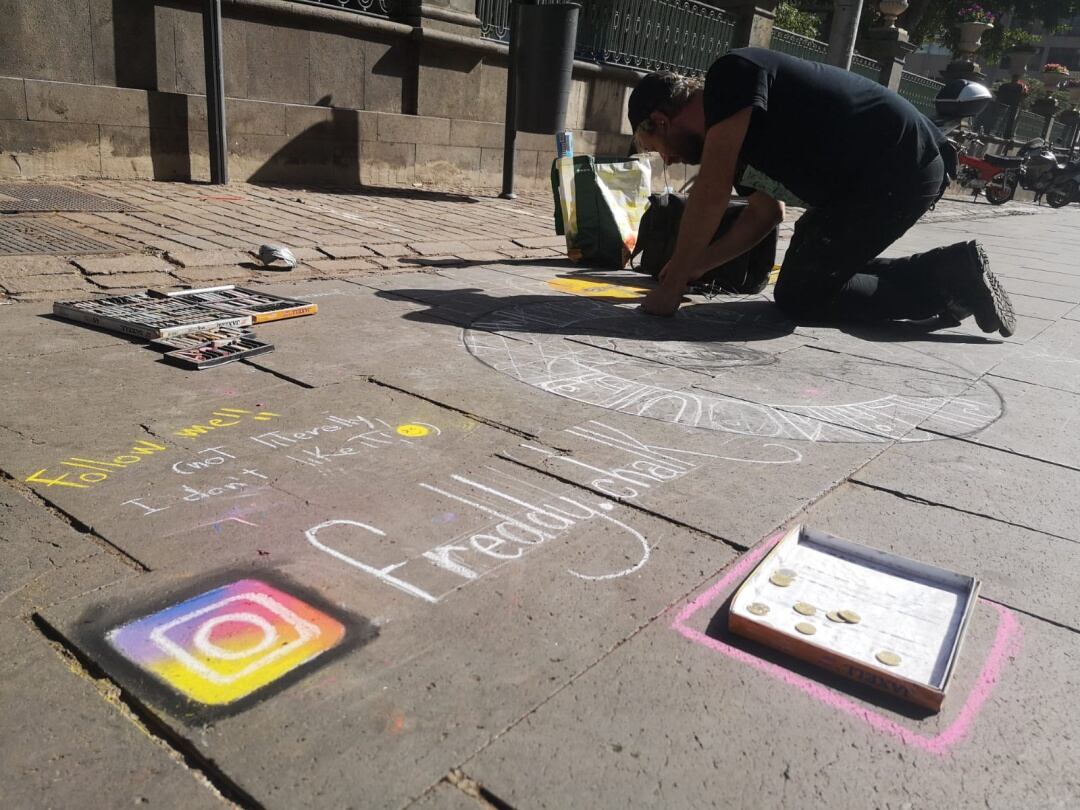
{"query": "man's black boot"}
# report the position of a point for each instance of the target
(971, 289)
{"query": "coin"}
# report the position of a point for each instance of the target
(780, 580)
(786, 572)
(805, 609)
(850, 616)
(833, 616)
(808, 629)
(757, 608)
(889, 659)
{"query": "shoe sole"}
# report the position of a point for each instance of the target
(1004, 317)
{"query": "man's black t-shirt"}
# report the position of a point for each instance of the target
(826, 134)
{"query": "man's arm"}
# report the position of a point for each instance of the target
(704, 209)
(762, 214)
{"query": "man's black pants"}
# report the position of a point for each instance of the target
(831, 272)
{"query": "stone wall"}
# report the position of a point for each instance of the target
(113, 88)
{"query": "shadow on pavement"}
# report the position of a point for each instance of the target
(718, 630)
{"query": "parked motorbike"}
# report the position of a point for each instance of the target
(986, 174)
(960, 99)
(1040, 171)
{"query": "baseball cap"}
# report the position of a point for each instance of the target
(651, 93)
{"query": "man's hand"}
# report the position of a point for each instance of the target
(663, 300)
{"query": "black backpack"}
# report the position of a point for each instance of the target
(744, 275)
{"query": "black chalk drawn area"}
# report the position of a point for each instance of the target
(219, 645)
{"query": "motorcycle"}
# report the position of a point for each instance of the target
(960, 99)
(986, 174)
(1038, 170)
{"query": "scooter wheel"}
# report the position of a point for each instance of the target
(1000, 189)
(1060, 197)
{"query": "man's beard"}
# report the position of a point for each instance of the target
(689, 146)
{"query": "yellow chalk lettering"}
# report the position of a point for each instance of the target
(89, 477)
(130, 460)
(95, 461)
(142, 451)
(221, 422)
(36, 478)
(193, 431)
(71, 463)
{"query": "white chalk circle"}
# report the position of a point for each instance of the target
(717, 367)
(203, 644)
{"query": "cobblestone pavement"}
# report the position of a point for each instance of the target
(180, 235)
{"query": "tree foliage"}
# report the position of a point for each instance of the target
(799, 21)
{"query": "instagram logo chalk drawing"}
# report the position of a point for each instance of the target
(225, 644)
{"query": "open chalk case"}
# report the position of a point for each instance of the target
(215, 355)
(208, 337)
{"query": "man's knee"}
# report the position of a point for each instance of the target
(796, 299)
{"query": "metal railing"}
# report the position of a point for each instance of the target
(378, 8)
(920, 91)
(865, 66)
(681, 35)
(815, 50)
(1029, 126)
(797, 45)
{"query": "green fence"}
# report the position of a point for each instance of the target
(797, 45)
(681, 35)
(1029, 125)
(920, 91)
(865, 66)
(816, 51)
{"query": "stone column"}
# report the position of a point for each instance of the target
(754, 21)
(450, 16)
(447, 78)
(889, 47)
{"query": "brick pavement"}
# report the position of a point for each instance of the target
(180, 234)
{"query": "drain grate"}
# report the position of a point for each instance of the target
(25, 197)
(19, 235)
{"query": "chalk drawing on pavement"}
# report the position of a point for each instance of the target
(675, 371)
(217, 649)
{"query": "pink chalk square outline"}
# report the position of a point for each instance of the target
(1007, 642)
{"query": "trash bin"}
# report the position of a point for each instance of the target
(546, 35)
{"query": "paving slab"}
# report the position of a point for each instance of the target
(355, 440)
(1052, 359)
(715, 721)
(82, 403)
(207, 258)
(457, 657)
(122, 264)
(230, 272)
(982, 480)
(123, 282)
(63, 744)
(1036, 421)
(52, 282)
(43, 559)
(348, 251)
(20, 266)
(351, 332)
(1040, 307)
(1025, 570)
(32, 330)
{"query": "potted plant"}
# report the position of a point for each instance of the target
(1019, 47)
(974, 22)
(1054, 74)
